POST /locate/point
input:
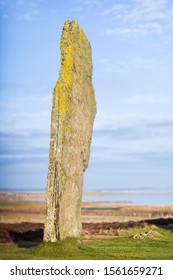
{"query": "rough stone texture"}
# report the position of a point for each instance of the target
(73, 113)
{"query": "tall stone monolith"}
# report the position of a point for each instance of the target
(73, 113)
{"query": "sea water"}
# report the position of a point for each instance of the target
(132, 196)
(153, 197)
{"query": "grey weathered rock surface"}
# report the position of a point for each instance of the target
(73, 113)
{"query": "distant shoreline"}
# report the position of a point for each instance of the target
(121, 197)
(100, 192)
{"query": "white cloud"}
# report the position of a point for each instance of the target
(128, 65)
(142, 29)
(115, 9)
(137, 10)
(26, 123)
(28, 16)
(140, 18)
(36, 99)
(27, 115)
(25, 135)
(24, 156)
(130, 150)
(108, 120)
(149, 10)
(117, 138)
(86, 3)
(29, 2)
(89, 2)
(128, 137)
(25, 127)
(149, 99)
(141, 63)
(76, 9)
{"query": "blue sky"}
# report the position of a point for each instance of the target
(132, 43)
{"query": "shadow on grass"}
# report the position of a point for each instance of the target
(22, 234)
(28, 239)
(162, 223)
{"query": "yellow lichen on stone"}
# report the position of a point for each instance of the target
(64, 85)
(68, 129)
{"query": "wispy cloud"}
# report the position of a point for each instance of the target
(89, 2)
(137, 30)
(76, 9)
(116, 137)
(149, 99)
(139, 18)
(113, 120)
(29, 2)
(128, 65)
(130, 137)
(28, 16)
(19, 145)
(138, 10)
(25, 130)
(25, 135)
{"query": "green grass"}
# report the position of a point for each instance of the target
(121, 247)
(8, 204)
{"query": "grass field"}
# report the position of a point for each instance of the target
(124, 246)
(92, 245)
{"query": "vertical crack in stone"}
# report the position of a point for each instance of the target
(73, 113)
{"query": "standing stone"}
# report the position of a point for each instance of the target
(73, 113)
